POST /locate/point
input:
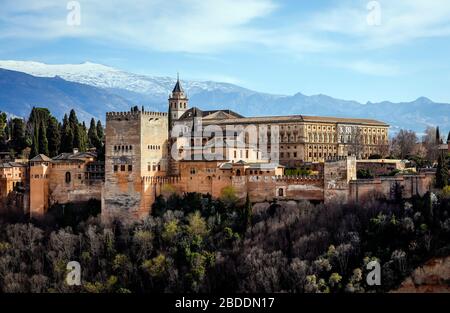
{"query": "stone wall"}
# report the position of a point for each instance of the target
(385, 187)
(135, 147)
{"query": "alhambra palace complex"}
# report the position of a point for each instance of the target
(139, 165)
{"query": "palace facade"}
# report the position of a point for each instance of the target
(148, 154)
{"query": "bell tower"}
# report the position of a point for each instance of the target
(178, 102)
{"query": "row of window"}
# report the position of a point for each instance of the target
(319, 154)
(323, 128)
(324, 147)
(288, 155)
(321, 137)
(182, 105)
(123, 168)
(39, 176)
(154, 167)
(123, 148)
(10, 175)
(154, 147)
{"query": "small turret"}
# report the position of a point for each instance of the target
(178, 101)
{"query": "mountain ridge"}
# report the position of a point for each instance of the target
(153, 91)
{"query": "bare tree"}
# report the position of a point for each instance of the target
(430, 144)
(356, 142)
(404, 143)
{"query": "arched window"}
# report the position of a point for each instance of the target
(238, 173)
(68, 178)
(280, 192)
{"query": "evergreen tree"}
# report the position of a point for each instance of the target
(35, 142)
(76, 130)
(100, 133)
(18, 136)
(441, 173)
(94, 141)
(438, 136)
(54, 137)
(66, 136)
(43, 142)
(3, 131)
(448, 137)
(247, 213)
(84, 140)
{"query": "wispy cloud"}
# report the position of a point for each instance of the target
(208, 27)
(194, 26)
(401, 22)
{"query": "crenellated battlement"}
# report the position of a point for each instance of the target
(117, 116)
(336, 159)
(160, 179)
(299, 179)
(289, 179)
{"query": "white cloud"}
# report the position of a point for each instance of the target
(401, 22)
(209, 26)
(195, 26)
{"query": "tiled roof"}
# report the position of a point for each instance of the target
(74, 156)
(295, 118)
(41, 158)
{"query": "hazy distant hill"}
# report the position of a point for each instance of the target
(94, 89)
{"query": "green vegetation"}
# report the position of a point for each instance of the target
(197, 244)
(297, 172)
(41, 133)
(364, 174)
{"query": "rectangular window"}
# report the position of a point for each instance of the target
(130, 168)
(122, 168)
(116, 168)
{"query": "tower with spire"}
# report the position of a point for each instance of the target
(178, 101)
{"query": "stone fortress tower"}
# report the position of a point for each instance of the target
(135, 153)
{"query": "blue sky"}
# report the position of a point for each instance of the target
(350, 49)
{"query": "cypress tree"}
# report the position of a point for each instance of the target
(35, 142)
(3, 131)
(100, 133)
(54, 137)
(94, 141)
(67, 136)
(76, 131)
(438, 136)
(448, 137)
(18, 136)
(84, 140)
(43, 142)
(247, 212)
(441, 173)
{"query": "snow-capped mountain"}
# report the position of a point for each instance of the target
(93, 89)
(102, 76)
